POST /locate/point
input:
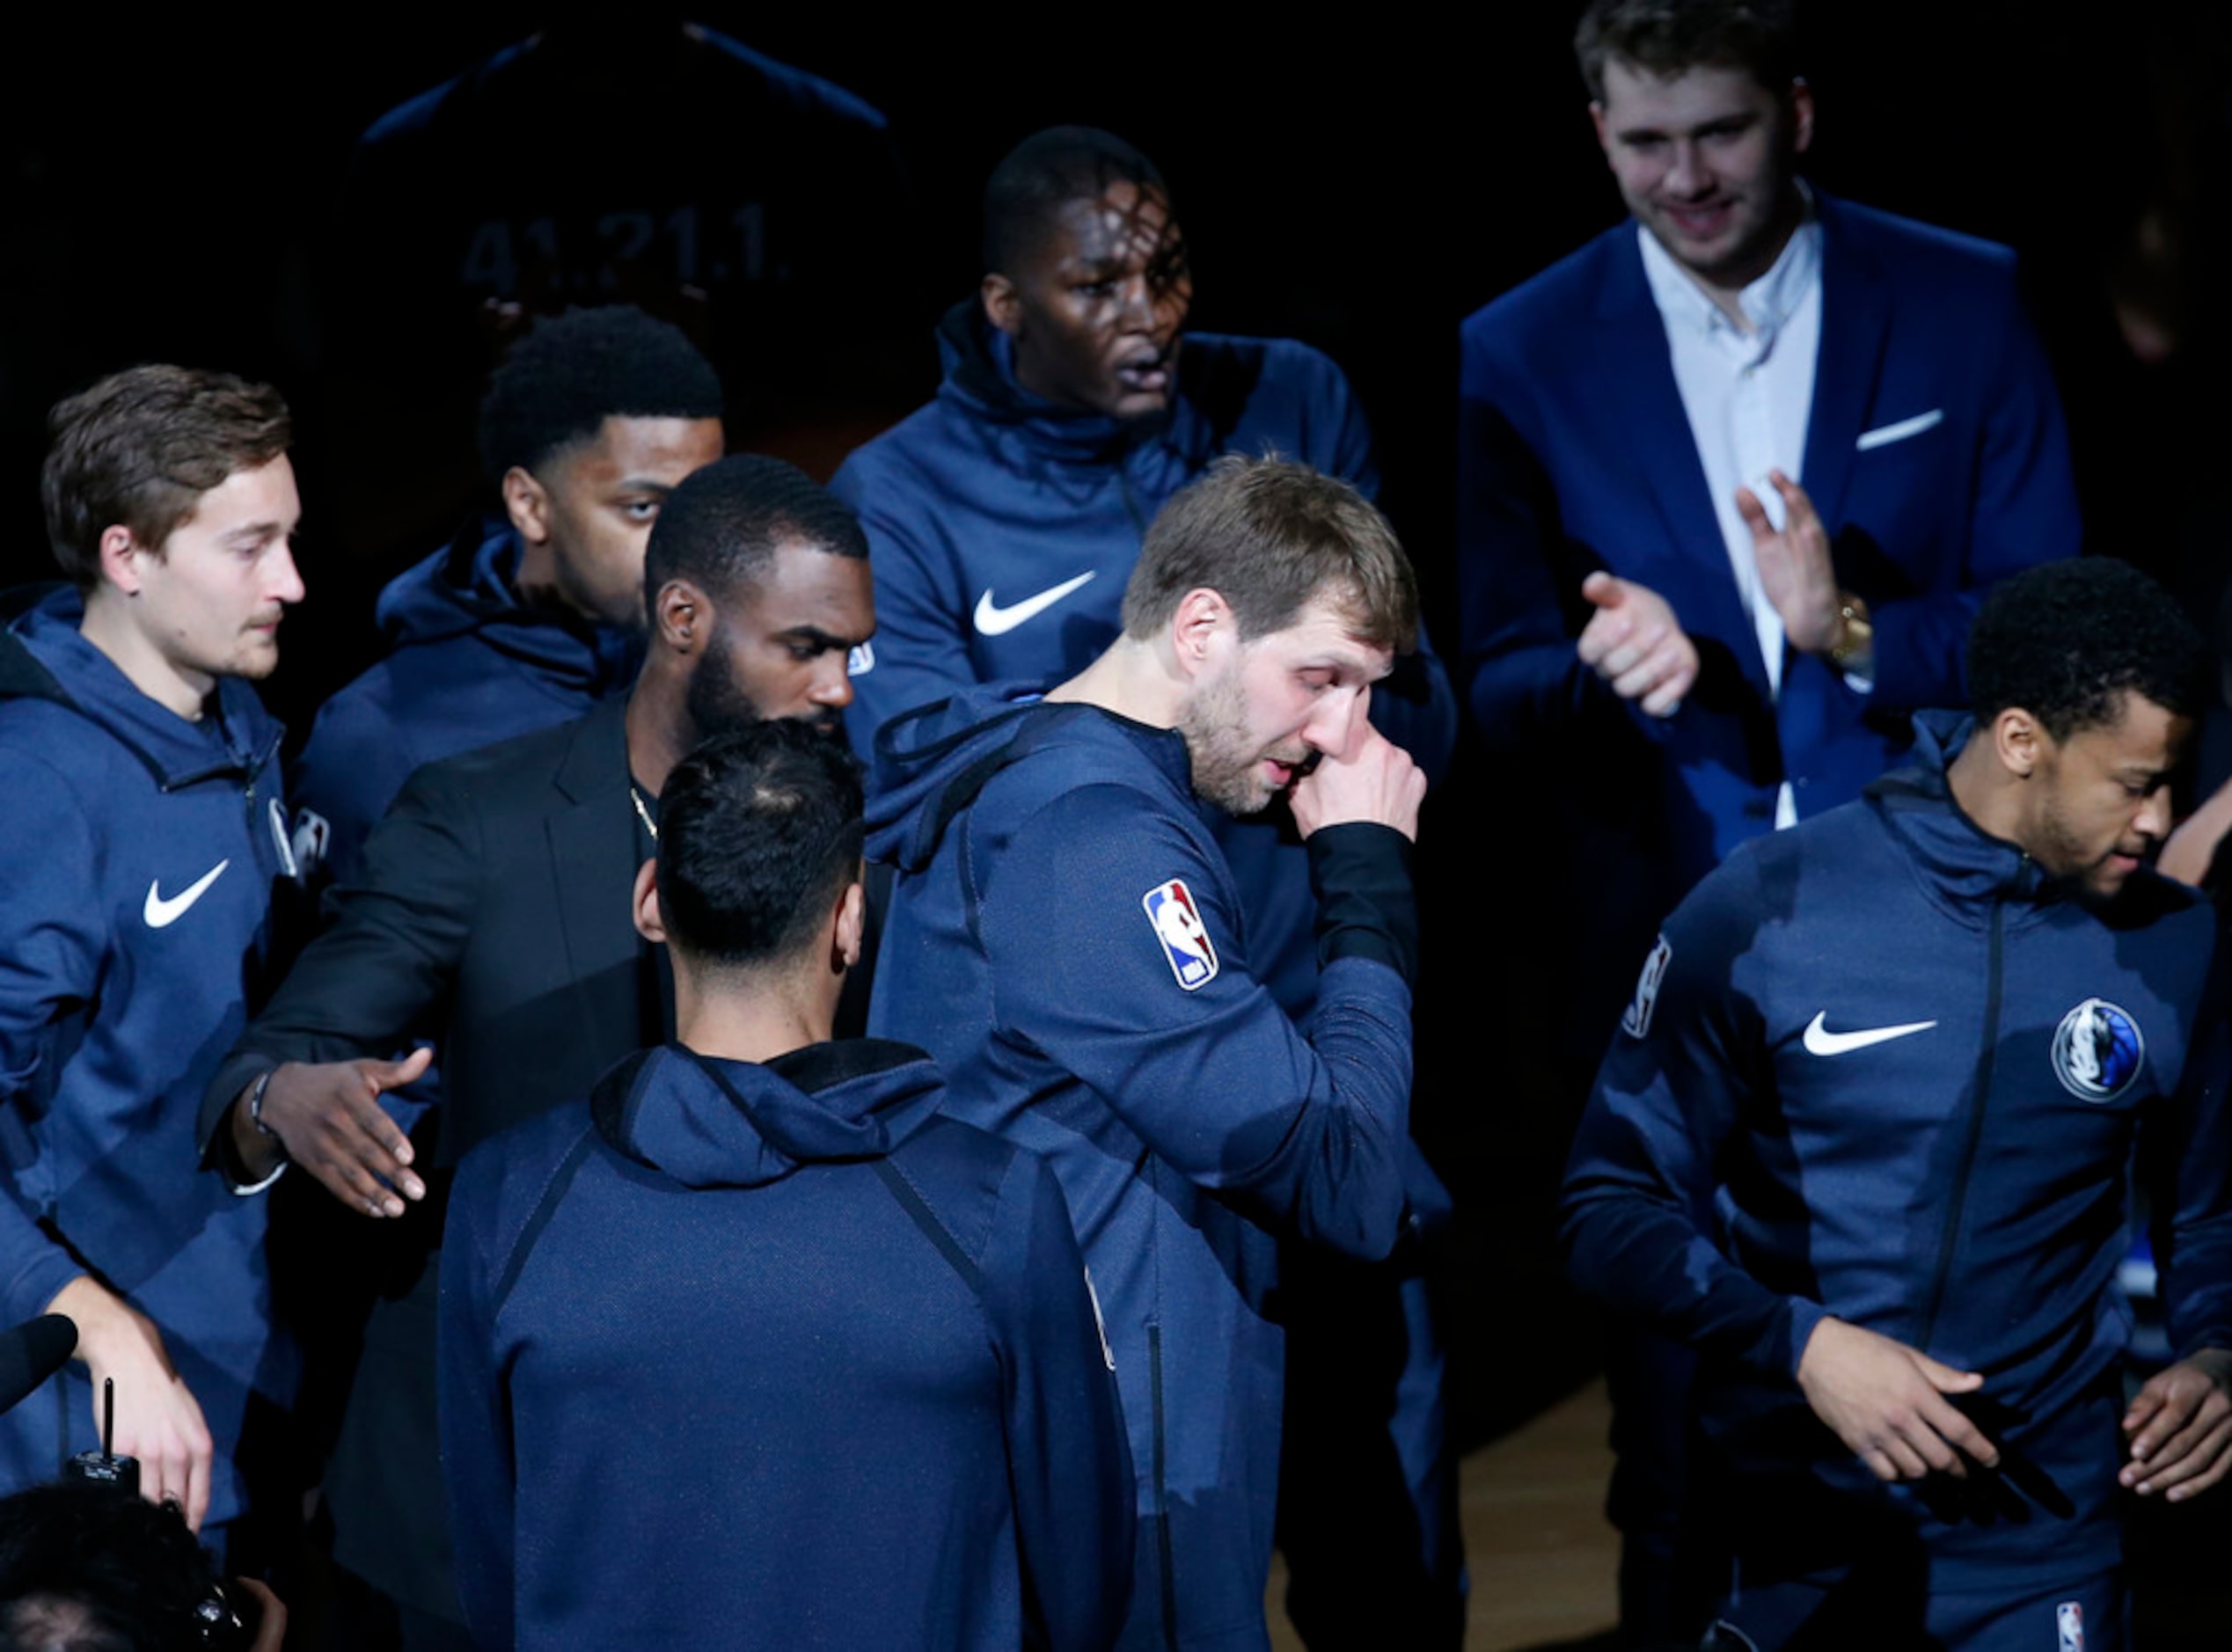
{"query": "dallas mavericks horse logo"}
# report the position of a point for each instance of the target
(2097, 1051)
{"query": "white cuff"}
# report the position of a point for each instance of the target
(242, 1192)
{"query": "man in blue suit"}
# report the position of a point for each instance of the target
(1734, 478)
(1930, 446)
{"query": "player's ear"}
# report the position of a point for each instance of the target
(644, 906)
(1800, 108)
(850, 926)
(2019, 741)
(527, 503)
(683, 617)
(119, 558)
(1003, 304)
(1200, 627)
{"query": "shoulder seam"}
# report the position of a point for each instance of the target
(539, 1217)
(942, 1237)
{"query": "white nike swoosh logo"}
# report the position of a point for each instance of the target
(1821, 1041)
(991, 619)
(161, 914)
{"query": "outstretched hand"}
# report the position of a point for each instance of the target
(1635, 643)
(1888, 1403)
(2180, 1426)
(327, 1116)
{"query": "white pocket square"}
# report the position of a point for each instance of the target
(1883, 435)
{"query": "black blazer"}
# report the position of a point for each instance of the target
(491, 904)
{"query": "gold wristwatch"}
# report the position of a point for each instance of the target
(1856, 632)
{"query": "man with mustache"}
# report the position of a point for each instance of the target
(493, 900)
(142, 850)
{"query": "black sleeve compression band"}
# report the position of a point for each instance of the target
(1360, 873)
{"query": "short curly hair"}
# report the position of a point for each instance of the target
(2066, 641)
(722, 525)
(573, 372)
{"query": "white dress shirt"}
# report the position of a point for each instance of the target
(1749, 395)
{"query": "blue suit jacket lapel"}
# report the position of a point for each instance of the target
(1856, 326)
(1641, 406)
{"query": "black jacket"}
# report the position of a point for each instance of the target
(492, 902)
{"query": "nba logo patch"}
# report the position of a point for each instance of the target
(2069, 1618)
(1178, 926)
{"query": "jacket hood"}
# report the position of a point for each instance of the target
(466, 588)
(1966, 864)
(979, 363)
(706, 1122)
(43, 655)
(931, 762)
(922, 755)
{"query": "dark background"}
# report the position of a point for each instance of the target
(167, 190)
